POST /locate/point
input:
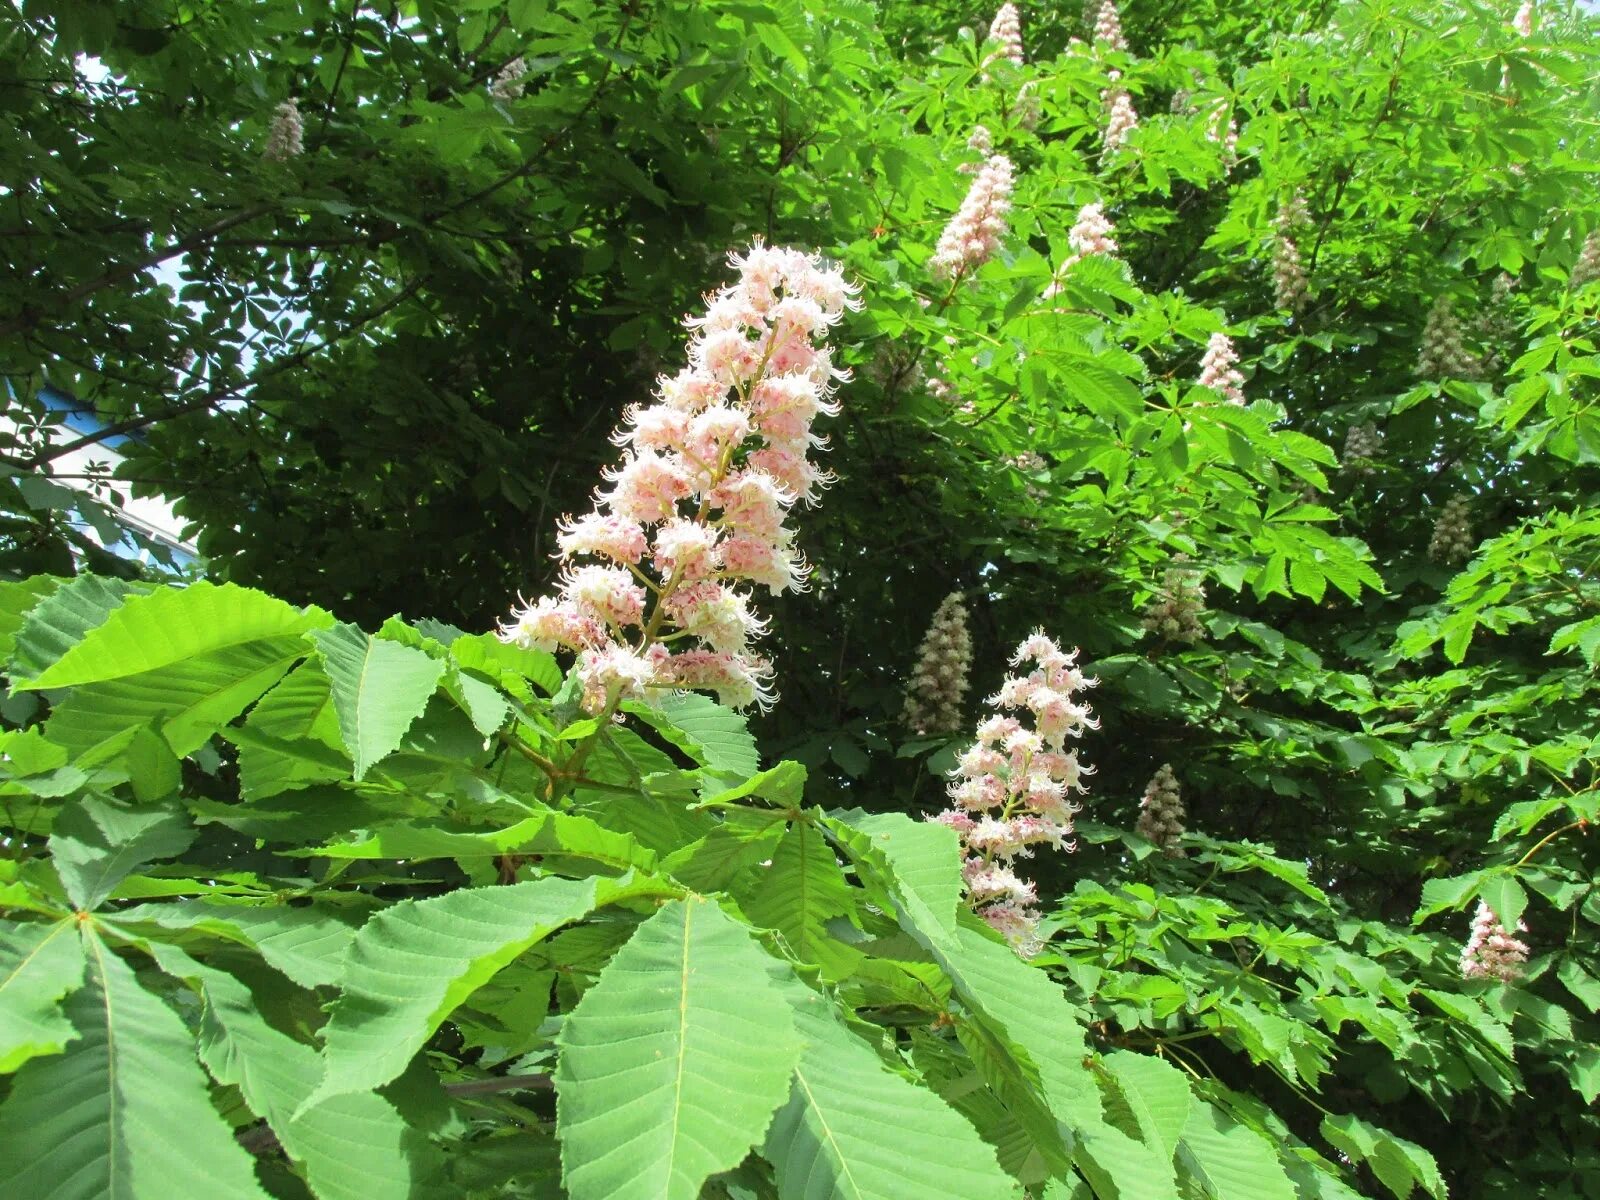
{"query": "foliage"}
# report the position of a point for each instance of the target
(371, 894)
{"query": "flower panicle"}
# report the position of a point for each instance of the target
(1013, 788)
(1161, 813)
(1492, 951)
(286, 136)
(1005, 31)
(973, 235)
(938, 685)
(1218, 372)
(655, 591)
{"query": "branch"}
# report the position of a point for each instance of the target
(119, 273)
(133, 424)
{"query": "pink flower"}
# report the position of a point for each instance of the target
(1217, 370)
(1108, 27)
(1121, 118)
(701, 497)
(973, 235)
(606, 537)
(1006, 32)
(1491, 952)
(1012, 788)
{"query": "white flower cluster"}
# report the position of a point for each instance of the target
(508, 84)
(1363, 444)
(974, 233)
(1027, 111)
(285, 138)
(982, 143)
(1452, 539)
(655, 595)
(1523, 21)
(1227, 135)
(1492, 952)
(1090, 234)
(1161, 813)
(1108, 27)
(1587, 268)
(1442, 354)
(1121, 117)
(1174, 612)
(1006, 32)
(1217, 370)
(944, 660)
(1013, 788)
(1289, 284)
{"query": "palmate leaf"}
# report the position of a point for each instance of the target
(16, 601)
(307, 945)
(379, 688)
(1032, 1044)
(291, 738)
(854, 1130)
(674, 1060)
(351, 1147)
(413, 963)
(712, 735)
(168, 626)
(547, 834)
(124, 1113)
(39, 964)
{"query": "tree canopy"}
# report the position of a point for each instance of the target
(1250, 351)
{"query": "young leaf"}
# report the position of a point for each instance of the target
(125, 1113)
(59, 622)
(379, 687)
(39, 964)
(674, 1060)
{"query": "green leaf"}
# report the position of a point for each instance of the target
(1230, 1161)
(712, 735)
(17, 600)
(379, 688)
(96, 844)
(39, 964)
(546, 834)
(798, 893)
(918, 860)
(1399, 1165)
(674, 1060)
(125, 1112)
(854, 1130)
(1035, 1042)
(60, 621)
(351, 1147)
(169, 626)
(1156, 1095)
(291, 738)
(414, 962)
(188, 701)
(307, 944)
